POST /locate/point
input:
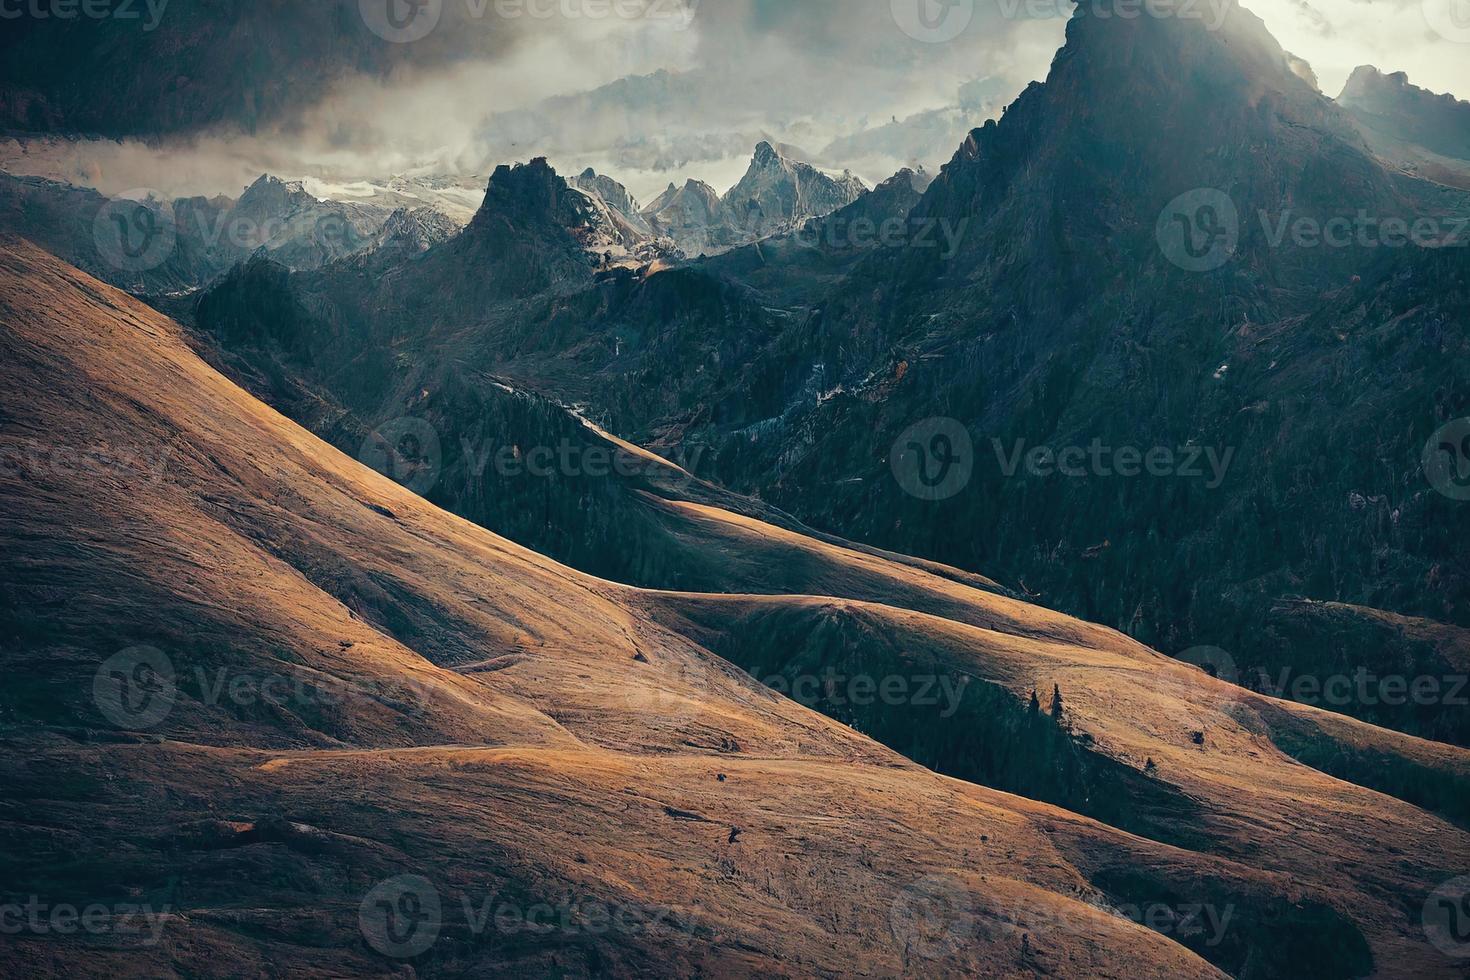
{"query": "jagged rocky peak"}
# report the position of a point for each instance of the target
(1230, 47)
(914, 179)
(1368, 82)
(1393, 111)
(412, 231)
(779, 191)
(531, 190)
(919, 178)
(766, 155)
(1373, 89)
(1143, 109)
(272, 195)
(694, 198)
(612, 193)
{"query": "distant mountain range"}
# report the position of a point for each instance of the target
(154, 248)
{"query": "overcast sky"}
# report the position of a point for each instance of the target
(491, 83)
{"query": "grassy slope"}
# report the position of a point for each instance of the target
(564, 735)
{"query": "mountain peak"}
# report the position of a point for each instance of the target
(611, 193)
(1366, 78)
(529, 190)
(1367, 81)
(1396, 115)
(779, 191)
(273, 194)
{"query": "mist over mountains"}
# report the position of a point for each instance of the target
(674, 90)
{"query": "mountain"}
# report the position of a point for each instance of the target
(1409, 127)
(412, 231)
(506, 703)
(1042, 298)
(795, 270)
(779, 192)
(77, 223)
(693, 216)
(612, 193)
(296, 228)
(155, 248)
(1061, 323)
(615, 229)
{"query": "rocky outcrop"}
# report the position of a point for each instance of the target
(1409, 127)
(778, 193)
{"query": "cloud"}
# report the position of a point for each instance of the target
(664, 90)
(1336, 36)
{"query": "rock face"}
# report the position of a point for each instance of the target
(295, 228)
(778, 193)
(196, 238)
(612, 193)
(1411, 127)
(413, 231)
(1393, 106)
(1062, 322)
(693, 216)
(616, 231)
